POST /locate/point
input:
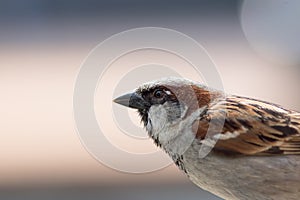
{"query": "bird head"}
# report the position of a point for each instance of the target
(165, 103)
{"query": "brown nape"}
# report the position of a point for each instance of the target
(195, 97)
(205, 96)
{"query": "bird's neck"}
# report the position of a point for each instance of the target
(174, 137)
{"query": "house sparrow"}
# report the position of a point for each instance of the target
(233, 146)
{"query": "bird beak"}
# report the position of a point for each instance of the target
(132, 100)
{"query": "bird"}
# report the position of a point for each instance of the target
(232, 146)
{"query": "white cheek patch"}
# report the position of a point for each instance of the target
(174, 137)
(158, 116)
(181, 135)
(159, 123)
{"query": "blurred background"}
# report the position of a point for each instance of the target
(254, 44)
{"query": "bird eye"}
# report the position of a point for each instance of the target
(158, 93)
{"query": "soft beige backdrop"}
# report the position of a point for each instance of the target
(40, 58)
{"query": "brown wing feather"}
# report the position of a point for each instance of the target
(254, 127)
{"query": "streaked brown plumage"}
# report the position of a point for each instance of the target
(263, 128)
